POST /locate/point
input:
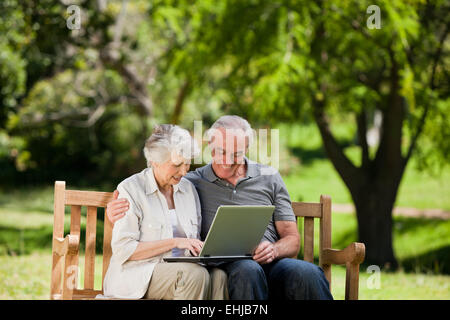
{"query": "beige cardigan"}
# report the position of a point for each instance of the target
(146, 220)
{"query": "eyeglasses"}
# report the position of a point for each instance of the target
(237, 154)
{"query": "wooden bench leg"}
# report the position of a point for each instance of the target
(70, 276)
(351, 281)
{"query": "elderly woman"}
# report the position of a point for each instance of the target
(163, 219)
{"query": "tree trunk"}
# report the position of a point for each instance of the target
(181, 97)
(373, 186)
(374, 202)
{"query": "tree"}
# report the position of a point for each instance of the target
(289, 57)
(96, 88)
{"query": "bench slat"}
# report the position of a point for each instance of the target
(308, 235)
(88, 198)
(75, 228)
(107, 252)
(86, 293)
(89, 264)
(325, 234)
(307, 209)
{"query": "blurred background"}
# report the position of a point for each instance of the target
(359, 91)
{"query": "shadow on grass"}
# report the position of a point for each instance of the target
(435, 261)
(403, 225)
(307, 156)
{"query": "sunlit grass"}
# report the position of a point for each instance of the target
(393, 286)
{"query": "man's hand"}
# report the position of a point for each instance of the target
(265, 253)
(116, 208)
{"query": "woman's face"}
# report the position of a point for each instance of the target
(171, 171)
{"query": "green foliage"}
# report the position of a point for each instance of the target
(12, 65)
(283, 56)
(269, 61)
(64, 109)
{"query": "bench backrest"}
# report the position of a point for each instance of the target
(309, 211)
(93, 200)
(77, 199)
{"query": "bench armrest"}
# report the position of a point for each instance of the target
(68, 245)
(353, 254)
(352, 257)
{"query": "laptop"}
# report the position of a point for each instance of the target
(234, 234)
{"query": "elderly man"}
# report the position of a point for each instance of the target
(232, 179)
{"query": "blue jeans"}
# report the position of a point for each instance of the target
(287, 279)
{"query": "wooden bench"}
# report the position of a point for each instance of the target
(66, 249)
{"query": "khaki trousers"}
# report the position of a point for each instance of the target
(187, 281)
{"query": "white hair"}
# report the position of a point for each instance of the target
(168, 140)
(232, 122)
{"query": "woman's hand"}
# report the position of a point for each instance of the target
(193, 245)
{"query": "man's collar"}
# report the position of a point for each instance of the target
(209, 173)
(252, 168)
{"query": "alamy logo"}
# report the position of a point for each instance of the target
(73, 22)
(374, 20)
(374, 280)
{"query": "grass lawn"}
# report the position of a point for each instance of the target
(28, 277)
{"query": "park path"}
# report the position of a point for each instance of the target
(407, 212)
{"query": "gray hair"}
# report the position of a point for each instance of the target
(167, 140)
(232, 122)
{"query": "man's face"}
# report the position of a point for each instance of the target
(228, 148)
